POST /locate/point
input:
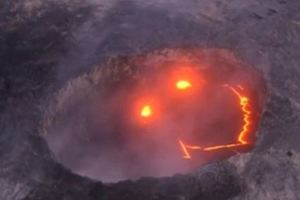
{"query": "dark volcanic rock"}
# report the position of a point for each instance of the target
(274, 173)
(210, 183)
(43, 44)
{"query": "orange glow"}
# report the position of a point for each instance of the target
(183, 84)
(186, 153)
(242, 135)
(244, 102)
(146, 111)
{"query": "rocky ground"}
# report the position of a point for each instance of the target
(43, 44)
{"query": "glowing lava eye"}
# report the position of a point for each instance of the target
(146, 111)
(183, 85)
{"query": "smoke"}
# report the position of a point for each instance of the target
(90, 128)
(94, 128)
(86, 130)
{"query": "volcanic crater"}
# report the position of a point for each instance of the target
(96, 125)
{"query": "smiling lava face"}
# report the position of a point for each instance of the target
(157, 116)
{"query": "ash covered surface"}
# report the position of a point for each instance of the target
(43, 44)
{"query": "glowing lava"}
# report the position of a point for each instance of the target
(183, 85)
(146, 111)
(242, 135)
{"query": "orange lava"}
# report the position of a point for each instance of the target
(146, 111)
(242, 135)
(183, 84)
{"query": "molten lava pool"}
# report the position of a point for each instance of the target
(157, 115)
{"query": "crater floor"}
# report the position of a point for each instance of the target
(45, 44)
